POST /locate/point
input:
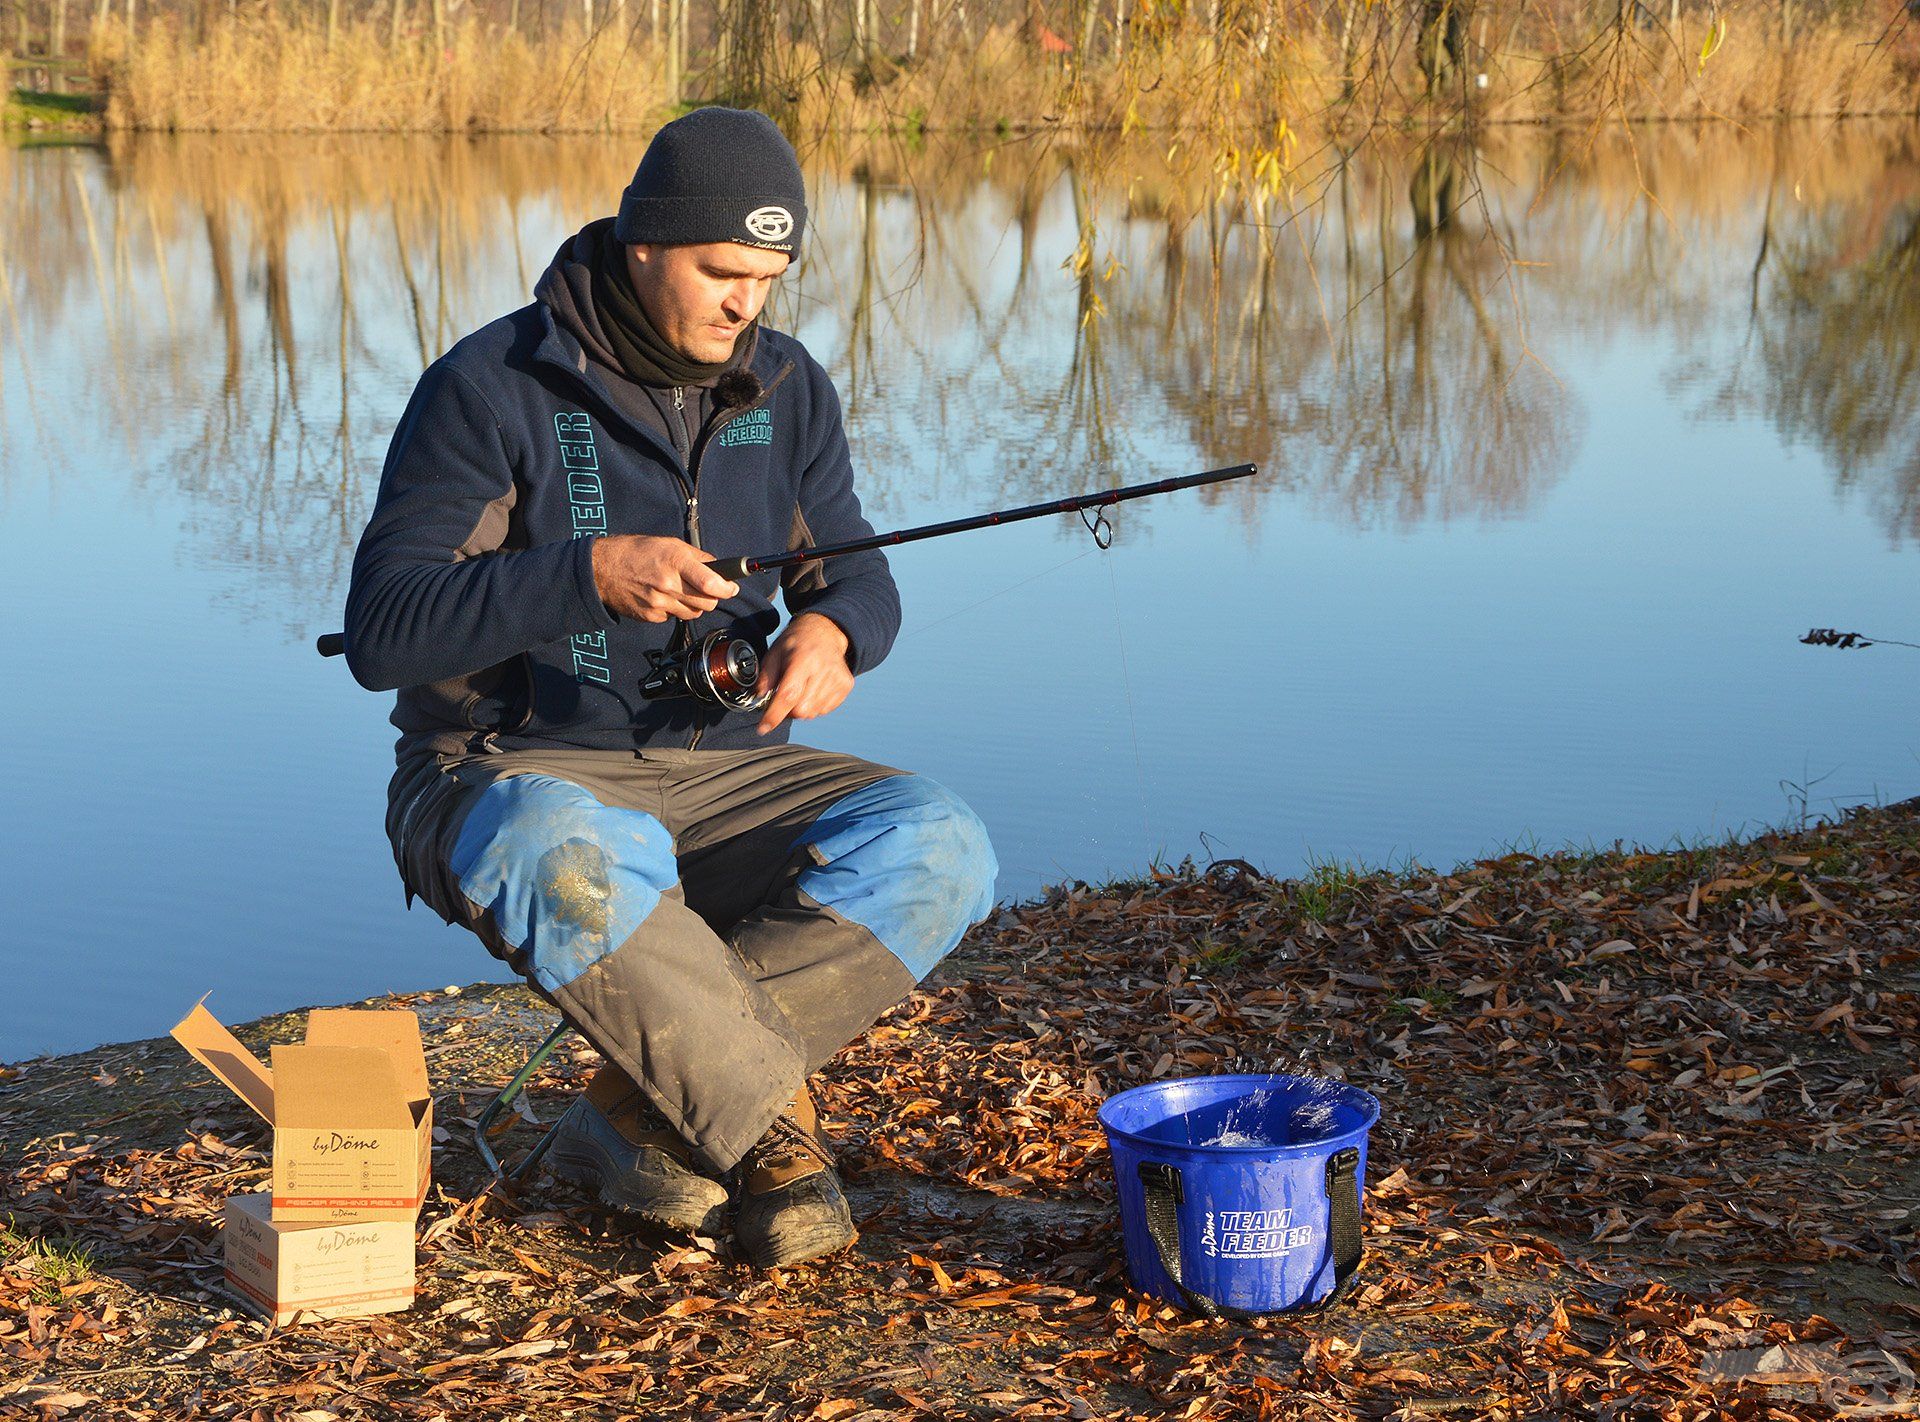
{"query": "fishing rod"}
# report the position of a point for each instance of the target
(723, 667)
(1828, 637)
(733, 569)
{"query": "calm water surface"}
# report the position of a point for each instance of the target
(1549, 489)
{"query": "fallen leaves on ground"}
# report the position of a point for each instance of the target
(1642, 1112)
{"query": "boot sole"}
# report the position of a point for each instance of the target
(688, 1212)
(800, 1246)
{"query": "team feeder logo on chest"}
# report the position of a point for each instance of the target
(587, 505)
(748, 427)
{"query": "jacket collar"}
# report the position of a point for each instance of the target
(560, 348)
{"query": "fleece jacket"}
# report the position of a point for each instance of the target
(473, 592)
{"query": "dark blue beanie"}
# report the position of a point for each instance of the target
(716, 175)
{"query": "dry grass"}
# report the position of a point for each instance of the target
(256, 71)
(1827, 70)
(269, 74)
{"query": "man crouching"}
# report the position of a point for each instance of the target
(716, 910)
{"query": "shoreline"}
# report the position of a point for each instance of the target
(268, 1024)
(1640, 1105)
(34, 121)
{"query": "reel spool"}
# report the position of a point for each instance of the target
(722, 669)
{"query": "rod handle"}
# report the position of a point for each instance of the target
(732, 569)
(331, 644)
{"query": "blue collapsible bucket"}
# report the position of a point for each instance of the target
(1240, 1195)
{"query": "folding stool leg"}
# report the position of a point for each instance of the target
(504, 1101)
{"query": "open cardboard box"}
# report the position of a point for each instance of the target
(282, 1271)
(350, 1108)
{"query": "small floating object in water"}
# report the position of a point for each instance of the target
(1832, 637)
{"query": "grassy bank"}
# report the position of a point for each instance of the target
(28, 110)
(1640, 1109)
(1295, 71)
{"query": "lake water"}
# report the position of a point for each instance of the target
(1549, 490)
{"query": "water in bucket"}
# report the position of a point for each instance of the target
(1240, 1193)
(1309, 1116)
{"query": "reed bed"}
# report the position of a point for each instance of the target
(270, 74)
(1292, 75)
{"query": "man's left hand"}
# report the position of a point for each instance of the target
(807, 669)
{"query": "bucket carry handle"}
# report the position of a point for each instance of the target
(1165, 1194)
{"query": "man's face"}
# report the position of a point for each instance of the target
(700, 296)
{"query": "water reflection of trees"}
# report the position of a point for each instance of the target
(258, 313)
(1838, 344)
(1355, 341)
(1005, 321)
(1168, 325)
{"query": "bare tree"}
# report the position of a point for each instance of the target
(676, 49)
(865, 39)
(1443, 41)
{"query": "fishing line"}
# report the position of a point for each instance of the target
(1102, 531)
(1010, 587)
(1126, 681)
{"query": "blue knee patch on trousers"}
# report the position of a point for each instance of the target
(566, 878)
(907, 861)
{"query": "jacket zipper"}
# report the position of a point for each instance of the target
(697, 446)
(690, 488)
(689, 480)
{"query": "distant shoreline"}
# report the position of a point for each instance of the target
(25, 119)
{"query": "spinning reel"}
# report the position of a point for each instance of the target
(722, 668)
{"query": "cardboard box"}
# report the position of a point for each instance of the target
(351, 1112)
(282, 1271)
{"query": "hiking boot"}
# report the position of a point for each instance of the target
(790, 1206)
(614, 1145)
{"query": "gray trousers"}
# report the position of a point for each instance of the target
(718, 924)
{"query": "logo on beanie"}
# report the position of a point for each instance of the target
(770, 224)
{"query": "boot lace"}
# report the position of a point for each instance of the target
(785, 1142)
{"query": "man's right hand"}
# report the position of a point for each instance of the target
(653, 579)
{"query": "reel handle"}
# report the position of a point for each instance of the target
(732, 569)
(331, 644)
